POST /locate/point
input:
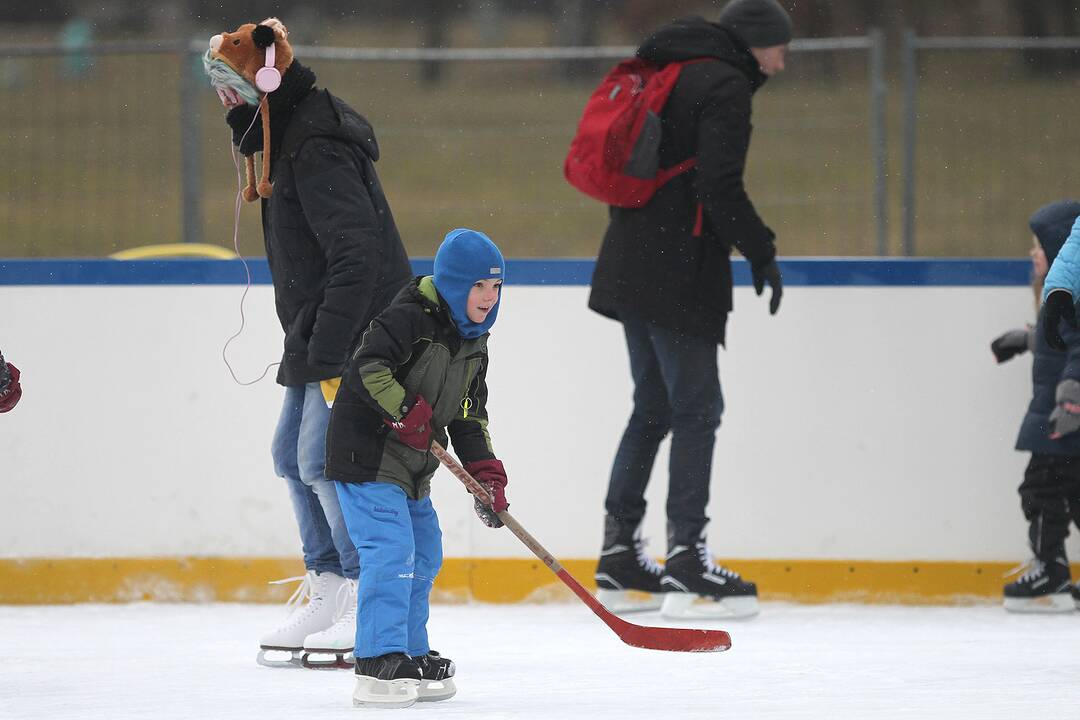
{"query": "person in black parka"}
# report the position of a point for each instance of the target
(664, 272)
(336, 261)
(1050, 491)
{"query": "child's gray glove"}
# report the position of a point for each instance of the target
(1009, 345)
(1066, 416)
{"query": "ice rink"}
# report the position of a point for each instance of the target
(554, 661)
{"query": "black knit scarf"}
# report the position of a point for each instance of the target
(297, 82)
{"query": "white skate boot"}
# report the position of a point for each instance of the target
(317, 613)
(332, 648)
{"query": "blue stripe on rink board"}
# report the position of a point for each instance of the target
(798, 272)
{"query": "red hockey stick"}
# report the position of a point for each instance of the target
(650, 638)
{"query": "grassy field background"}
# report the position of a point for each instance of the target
(90, 162)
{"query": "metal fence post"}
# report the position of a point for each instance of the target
(878, 93)
(911, 78)
(190, 147)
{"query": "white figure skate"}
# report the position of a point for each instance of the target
(310, 609)
(332, 648)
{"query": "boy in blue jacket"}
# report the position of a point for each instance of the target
(420, 371)
(1050, 491)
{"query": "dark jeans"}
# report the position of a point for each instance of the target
(677, 390)
(1050, 497)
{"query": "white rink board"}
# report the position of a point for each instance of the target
(860, 423)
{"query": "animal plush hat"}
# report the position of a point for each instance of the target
(245, 66)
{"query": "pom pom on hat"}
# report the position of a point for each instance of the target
(262, 36)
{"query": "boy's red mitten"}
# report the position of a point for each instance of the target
(10, 395)
(492, 475)
(414, 429)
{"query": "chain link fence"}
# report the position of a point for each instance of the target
(988, 137)
(114, 146)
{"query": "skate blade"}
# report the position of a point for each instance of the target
(278, 658)
(372, 692)
(320, 659)
(436, 690)
(629, 601)
(1053, 603)
(681, 606)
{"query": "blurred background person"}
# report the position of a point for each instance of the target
(10, 389)
(664, 272)
(1050, 491)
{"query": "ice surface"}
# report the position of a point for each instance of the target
(556, 662)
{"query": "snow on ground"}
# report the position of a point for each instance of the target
(554, 662)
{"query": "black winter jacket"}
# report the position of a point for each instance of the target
(651, 264)
(334, 251)
(412, 348)
(1048, 368)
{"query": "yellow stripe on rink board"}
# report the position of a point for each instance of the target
(35, 581)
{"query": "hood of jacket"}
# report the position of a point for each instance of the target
(321, 114)
(695, 37)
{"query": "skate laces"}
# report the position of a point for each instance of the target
(346, 601)
(1032, 568)
(644, 560)
(711, 567)
(302, 594)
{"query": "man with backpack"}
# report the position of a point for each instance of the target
(664, 272)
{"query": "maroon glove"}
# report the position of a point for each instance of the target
(415, 428)
(9, 396)
(492, 475)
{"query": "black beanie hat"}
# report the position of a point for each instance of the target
(758, 23)
(1052, 224)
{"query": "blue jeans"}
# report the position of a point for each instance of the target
(400, 546)
(676, 390)
(299, 452)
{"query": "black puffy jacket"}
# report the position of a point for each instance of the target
(1048, 368)
(411, 349)
(334, 251)
(652, 265)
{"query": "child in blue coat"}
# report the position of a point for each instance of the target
(1050, 491)
(419, 373)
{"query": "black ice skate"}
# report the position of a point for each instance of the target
(697, 587)
(387, 681)
(627, 578)
(1076, 596)
(436, 677)
(1045, 587)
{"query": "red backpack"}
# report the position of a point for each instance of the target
(615, 155)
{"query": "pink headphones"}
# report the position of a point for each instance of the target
(268, 79)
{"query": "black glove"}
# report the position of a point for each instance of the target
(769, 273)
(1058, 307)
(245, 127)
(1011, 344)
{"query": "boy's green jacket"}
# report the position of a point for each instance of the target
(412, 348)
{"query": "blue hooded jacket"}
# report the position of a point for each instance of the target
(1065, 267)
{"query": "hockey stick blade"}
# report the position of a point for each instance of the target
(639, 636)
